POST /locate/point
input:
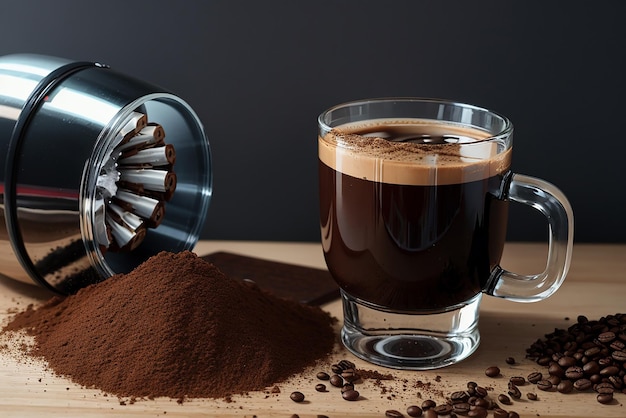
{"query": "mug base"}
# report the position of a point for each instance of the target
(407, 340)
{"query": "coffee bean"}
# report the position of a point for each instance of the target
(459, 396)
(556, 356)
(510, 360)
(295, 416)
(430, 414)
(443, 409)
(534, 377)
(606, 337)
(532, 396)
(518, 380)
(492, 371)
(566, 386)
(320, 387)
(323, 376)
(336, 380)
(414, 411)
(346, 387)
(392, 413)
(336, 369)
(297, 396)
(350, 375)
(567, 361)
(502, 398)
(555, 380)
(480, 391)
(346, 364)
(428, 404)
(478, 413)
(471, 385)
(500, 413)
(544, 384)
(616, 381)
(619, 355)
(593, 351)
(351, 395)
(595, 378)
(514, 391)
(604, 387)
(609, 371)
(574, 372)
(556, 370)
(513, 414)
(604, 397)
(544, 361)
(591, 367)
(582, 384)
(461, 408)
(481, 403)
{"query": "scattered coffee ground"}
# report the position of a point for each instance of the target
(176, 327)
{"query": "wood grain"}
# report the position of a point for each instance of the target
(595, 287)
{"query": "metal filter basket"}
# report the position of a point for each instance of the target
(98, 172)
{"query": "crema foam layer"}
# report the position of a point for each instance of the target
(387, 151)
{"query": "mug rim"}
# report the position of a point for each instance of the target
(505, 132)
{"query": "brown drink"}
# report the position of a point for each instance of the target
(419, 225)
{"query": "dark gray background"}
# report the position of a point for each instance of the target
(259, 72)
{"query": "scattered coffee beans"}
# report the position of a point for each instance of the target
(532, 396)
(392, 413)
(588, 355)
(510, 360)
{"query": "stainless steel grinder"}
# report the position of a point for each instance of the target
(98, 172)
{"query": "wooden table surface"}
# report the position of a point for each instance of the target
(595, 287)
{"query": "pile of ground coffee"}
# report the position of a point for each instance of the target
(176, 327)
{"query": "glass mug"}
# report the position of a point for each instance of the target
(414, 197)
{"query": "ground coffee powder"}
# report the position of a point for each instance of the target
(176, 327)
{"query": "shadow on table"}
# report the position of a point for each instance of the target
(24, 289)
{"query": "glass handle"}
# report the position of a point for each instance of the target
(553, 204)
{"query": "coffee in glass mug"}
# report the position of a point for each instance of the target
(414, 197)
